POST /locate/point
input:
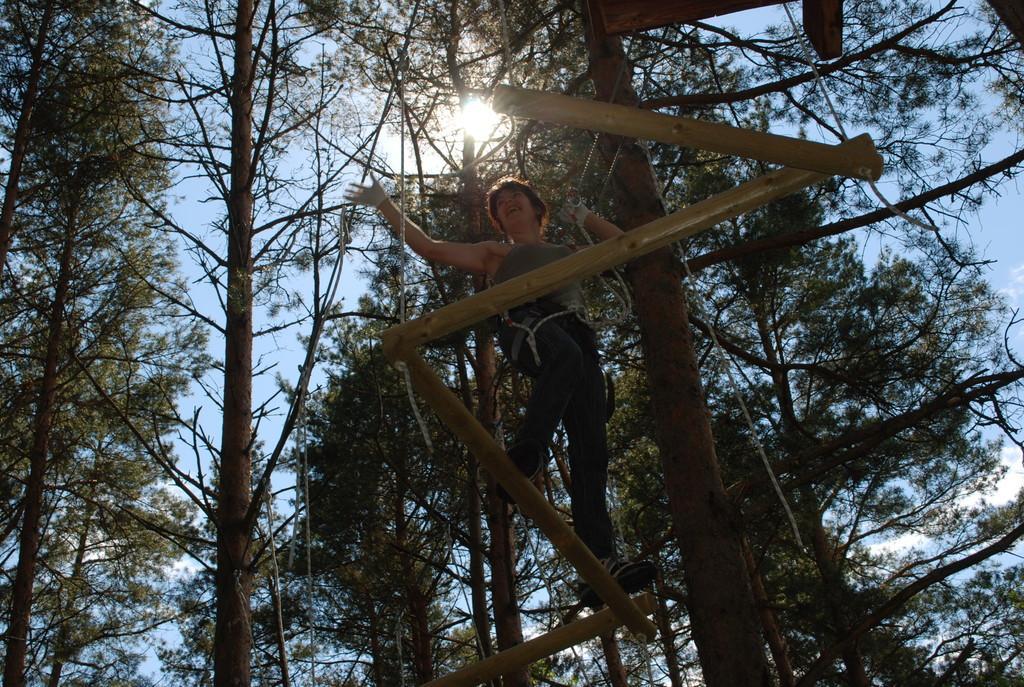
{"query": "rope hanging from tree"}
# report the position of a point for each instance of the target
(402, 367)
(819, 81)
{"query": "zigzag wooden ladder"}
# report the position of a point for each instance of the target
(811, 162)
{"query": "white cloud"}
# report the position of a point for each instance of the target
(1003, 492)
(1013, 481)
(1014, 289)
(899, 545)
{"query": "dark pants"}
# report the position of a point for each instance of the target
(568, 387)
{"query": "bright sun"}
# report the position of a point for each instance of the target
(479, 120)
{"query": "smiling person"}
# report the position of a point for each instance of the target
(548, 339)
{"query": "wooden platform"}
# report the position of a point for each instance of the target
(823, 19)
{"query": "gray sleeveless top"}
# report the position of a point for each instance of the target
(525, 257)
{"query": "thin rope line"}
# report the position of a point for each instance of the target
(275, 575)
(401, 366)
(401, 185)
(309, 547)
(820, 83)
(622, 292)
(725, 359)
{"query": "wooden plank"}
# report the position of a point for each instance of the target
(623, 16)
(823, 23)
(400, 341)
(538, 648)
(855, 158)
(530, 501)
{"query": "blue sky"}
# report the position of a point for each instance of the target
(996, 232)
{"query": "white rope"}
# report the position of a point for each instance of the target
(401, 366)
(737, 394)
(820, 83)
(309, 548)
(621, 292)
(276, 577)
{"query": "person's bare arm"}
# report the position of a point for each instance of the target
(471, 257)
(582, 216)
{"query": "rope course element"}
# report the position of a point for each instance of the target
(819, 81)
(617, 287)
(400, 342)
(401, 367)
(737, 393)
(807, 163)
(276, 582)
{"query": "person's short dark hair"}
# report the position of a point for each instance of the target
(517, 184)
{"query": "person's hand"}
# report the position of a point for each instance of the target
(371, 195)
(574, 213)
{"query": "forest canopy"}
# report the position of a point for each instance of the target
(213, 474)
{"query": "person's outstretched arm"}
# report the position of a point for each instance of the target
(582, 216)
(471, 257)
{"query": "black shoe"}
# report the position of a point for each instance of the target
(632, 576)
(530, 459)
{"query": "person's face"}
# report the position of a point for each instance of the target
(516, 215)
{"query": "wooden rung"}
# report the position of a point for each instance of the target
(539, 647)
(530, 501)
(855, 158)
(399, 341)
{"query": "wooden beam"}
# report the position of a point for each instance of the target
(855, 158)
(400, 341)
(823, 23)
(538, 648)
(623, 16)
(531, 502)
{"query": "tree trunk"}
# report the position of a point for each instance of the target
(613, 658)
(62, 651)
(719, 599)
(28, 551)
(835, 591)
(234, 577)
(22, 131)
(667, 634)
(416, 601)
(769, 623)
(508, 624)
